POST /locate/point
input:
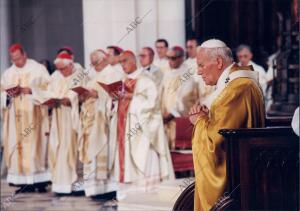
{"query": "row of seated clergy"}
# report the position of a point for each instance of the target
(262, 169)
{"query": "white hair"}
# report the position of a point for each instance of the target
(100, 54)
(223, 52)
(64, 61)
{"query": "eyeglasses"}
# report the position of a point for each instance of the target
(173, 58)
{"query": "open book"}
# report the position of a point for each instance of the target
(48, 98)
(112, 89)
(13, 90)
(79, 90)
(51, 102)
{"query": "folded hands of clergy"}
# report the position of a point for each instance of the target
(197, 111)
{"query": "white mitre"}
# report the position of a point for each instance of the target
(213, 43)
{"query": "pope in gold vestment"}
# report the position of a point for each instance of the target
(239, 105)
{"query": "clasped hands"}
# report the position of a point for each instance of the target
(197, 111)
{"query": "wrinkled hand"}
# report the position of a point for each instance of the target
(197, 111)
(26, 90)
(65, 101)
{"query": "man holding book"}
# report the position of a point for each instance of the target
(95, 120)
(142, 157)
(25, 155)
(63, 146)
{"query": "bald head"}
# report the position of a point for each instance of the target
(128, 61)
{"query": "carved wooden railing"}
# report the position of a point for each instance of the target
(262, 171)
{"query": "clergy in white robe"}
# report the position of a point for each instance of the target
(63, 145)
(271, 74)
(95, 122)
(179, 92)
(161, 61)
(25, 122)
(142, 154)
(146, 57)
(244, 55)
(203, 90)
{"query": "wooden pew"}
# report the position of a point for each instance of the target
(264, 164)
(263, 170)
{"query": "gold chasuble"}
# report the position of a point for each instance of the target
(237, 104)
(25, 124)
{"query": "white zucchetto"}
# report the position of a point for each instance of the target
(213, 43)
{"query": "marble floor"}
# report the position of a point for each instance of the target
(162, 199)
